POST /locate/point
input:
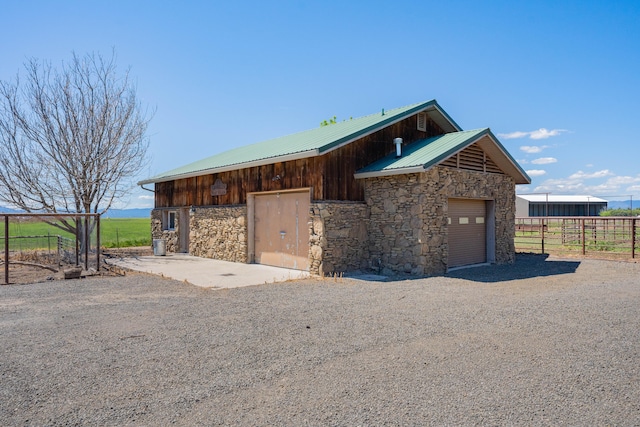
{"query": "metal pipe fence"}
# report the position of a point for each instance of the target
(58, 247)
(605, 237)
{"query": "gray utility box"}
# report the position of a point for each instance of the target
(159, 247)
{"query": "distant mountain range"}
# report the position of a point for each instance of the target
(111, 213)
(625, 204)
(128, 213)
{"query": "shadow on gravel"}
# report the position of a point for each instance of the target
(526, 266)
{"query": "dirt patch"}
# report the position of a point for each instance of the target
(28, 267)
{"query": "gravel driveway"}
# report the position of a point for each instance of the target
(553, 342)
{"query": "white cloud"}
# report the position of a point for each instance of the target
(532, 149)
(584, 175)
(513, 135)
(623, 180)
(146, 197)
(541, 133)
(607, 183)
(536, 172)
(544, 160)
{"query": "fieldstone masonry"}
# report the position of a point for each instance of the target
(338, 237)
(402, 227)
(408, 217)
(219, 232)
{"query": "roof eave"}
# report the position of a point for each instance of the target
(513, 169)
(232, 167)
(518, 174)
(389, 172)
(446, 116)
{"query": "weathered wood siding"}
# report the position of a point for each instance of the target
(329, 176)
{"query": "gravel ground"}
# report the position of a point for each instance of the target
(553, 342)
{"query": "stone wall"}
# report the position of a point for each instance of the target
(402, 227)
(157, 231)
(219, 232)
(338, 237)
(408, 217)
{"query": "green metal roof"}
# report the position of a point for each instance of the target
(421, 155)
(300, 145)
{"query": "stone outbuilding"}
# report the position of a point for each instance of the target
(404, 190)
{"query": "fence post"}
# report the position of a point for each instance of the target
(77, 239)
(87, 242)
(583, 237)
(59, 240)
(6, 249)
(542, 228)
(98, 243)
(633, 238)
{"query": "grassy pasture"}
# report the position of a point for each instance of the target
(114, 232)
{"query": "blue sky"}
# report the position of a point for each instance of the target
(557, 81)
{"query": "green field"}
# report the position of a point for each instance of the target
(125, 232)
(114, 232)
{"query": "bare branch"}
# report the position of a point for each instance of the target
(72, 138)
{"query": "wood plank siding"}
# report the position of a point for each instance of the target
(472, 158)
(329, 176)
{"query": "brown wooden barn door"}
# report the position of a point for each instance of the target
(281, 230)
(467, 232)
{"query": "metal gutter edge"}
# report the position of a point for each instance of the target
(236, 166)
(389, 172)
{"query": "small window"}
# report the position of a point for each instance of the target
(169, 220)
(479, 220)
(463, 220)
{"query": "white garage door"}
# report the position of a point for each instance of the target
(467, 232)
(281, 229)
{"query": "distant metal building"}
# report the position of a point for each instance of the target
(558, 205)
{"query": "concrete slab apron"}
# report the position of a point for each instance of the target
(209, 273)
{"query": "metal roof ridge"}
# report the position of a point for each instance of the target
(324, 143)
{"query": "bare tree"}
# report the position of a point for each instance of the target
(71, 139)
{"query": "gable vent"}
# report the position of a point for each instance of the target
(422, 122)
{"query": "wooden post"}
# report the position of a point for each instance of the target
(6, 249)
(583, 237)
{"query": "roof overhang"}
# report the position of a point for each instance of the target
(232, 167)
(432, 108)
(486, 140)
(389, 172)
